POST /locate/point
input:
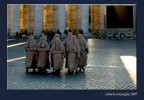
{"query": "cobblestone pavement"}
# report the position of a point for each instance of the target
(111, 66)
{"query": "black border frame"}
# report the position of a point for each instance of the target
(70, 94)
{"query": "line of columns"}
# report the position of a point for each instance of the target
(38, 19)
(14, 25)
(12, 18)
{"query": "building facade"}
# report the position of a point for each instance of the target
(38, 17)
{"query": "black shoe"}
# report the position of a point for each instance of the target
(27, 70)
(40, 70)
(70, 72)
(76, 72)
(57, 71)
(53, 72)
(83, 68)
(34, 70)
(45, 71)
(80, 70)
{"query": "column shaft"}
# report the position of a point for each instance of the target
(15, 18)
(85, 18)
(62, 18)
(38, 18)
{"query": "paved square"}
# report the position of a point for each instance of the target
(111, 66)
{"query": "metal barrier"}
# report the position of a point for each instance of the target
(107, 35)
(129, 36)
(122, 36)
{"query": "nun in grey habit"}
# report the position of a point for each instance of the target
(73, 55)
(57, 50)
(30, 61)
(67, 48)
(82, 62)
(53, 42)
(43, 54)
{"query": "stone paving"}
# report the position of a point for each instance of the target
(105, 69)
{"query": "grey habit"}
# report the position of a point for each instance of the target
(67, 48)
(30, 47)
(43, 55)
(57, 51)
(73, 50)
(82, 62)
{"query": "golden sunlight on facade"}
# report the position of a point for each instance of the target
(38, 17)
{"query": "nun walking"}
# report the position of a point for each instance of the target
(73, 54)
(30, 61)
(82, 62)
(43, 54)
(53, 42)
(67, 48)
(57, 50)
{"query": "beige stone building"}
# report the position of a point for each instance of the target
(37, 17)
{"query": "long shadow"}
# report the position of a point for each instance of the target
(64, 73)
(60, 76)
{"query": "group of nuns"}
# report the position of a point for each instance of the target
(42, 56)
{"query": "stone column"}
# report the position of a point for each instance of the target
(85, 18)
(55, 17)
(95, 18)
(26, 17)
(15, 19)
(102, 8)
(32, 15)
(9, 18)
(38, 13)
(62, 17)
(50, 17)
(105, 20)
(74, 17)
(134, 18)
